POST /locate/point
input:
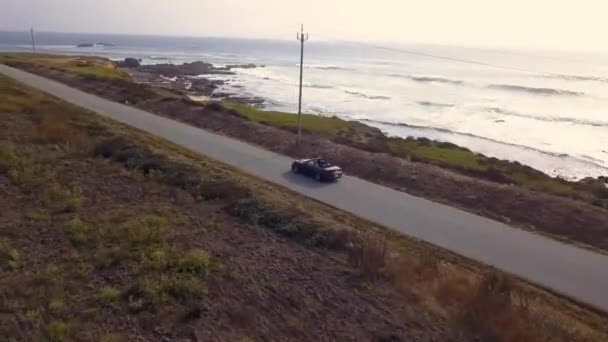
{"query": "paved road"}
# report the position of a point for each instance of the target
(575, 272)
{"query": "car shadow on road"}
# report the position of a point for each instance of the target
(305, 181)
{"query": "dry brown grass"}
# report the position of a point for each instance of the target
(55, 128)
(368, 254)
(488, 306)
(465, 297)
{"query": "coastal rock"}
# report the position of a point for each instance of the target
(186, 69)
(85, 45)
(242, 66)
(193, 69)
(130, 62)
(601, 180)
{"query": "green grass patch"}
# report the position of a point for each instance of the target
(109, 295)
(443, 154)
(56, 305)
(9, 256)
(312, 123)
(148, 229)
(57, 331)
(17, 99)
(77, 231)
(94, 67)
(38, 215)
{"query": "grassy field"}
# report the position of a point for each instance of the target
(103, 221)
(81, 66)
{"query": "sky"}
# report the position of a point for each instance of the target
(562, 24)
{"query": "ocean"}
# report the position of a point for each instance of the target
(545, 109)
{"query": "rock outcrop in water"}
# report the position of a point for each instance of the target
(189, 69)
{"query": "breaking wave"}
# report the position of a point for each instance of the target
(365, 96)
(548, 118)
(159, 58)
(429, 79)
(576, 77)
(324, 67)
(435, 104)
(318, 86)
(536, 91)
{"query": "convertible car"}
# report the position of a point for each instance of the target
(317, 168)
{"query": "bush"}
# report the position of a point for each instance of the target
(220, 190)
(214, 106)
(159, 289)
(109, 295)
(489, 312)
(78, 232)
(20, 169)
(57, 331)
(37, 215)
(286, 223)
(9, 256)
(149, 229)
(195, 261)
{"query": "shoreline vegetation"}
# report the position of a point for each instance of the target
(112, 234)
(507, 191)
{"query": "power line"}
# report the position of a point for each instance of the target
(453, 59)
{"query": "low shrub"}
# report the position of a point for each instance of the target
(287, 223)
(77, 231)
(109, 295)
(57, 331)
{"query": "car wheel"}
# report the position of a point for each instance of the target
(318, 177)
(295, 169)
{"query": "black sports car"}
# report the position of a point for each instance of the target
(317, 168)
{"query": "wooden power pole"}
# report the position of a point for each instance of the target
(302, 37)
(33, 42)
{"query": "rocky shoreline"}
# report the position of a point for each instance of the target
(192, 80)
(189, 78)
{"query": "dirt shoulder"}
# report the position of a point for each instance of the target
(571, 216)
(111, 234)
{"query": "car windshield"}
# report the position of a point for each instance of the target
(323, 163)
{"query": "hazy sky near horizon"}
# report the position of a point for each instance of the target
(564, 24)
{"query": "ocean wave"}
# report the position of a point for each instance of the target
(435, 104)
(429, 79)
(576, 77)
(323, 67)
(365, 96)
(169, 79)
(548, 118)
(496, 141)
(159, 58)
(318, 86)
(533, 90)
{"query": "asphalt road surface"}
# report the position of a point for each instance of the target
(575, 272)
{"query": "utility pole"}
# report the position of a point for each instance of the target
(302, 37)
(33, 43)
